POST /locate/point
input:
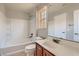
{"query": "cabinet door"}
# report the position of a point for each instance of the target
(39, 50)
(76, 25)
(60, 25)
(46, 53)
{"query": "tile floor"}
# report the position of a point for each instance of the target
(22, 53)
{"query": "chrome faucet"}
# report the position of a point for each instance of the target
(56, 41)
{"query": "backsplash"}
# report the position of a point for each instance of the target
(42, 32)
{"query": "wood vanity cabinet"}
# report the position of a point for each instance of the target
(41, 51)
(47, 53)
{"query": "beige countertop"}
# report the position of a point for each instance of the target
(59, 49)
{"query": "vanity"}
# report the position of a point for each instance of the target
(41, 51)
(49, 48)
(64, 25)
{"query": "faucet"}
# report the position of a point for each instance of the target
(56, 41)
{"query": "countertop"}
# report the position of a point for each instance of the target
(59, 49)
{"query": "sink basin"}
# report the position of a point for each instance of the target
(50, 44)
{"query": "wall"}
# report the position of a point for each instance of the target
(14, 29)
(43, 33)
(69, 10)
(51, 27)
(2, 25)
(32, 25)
(32, 29)
(17, 28)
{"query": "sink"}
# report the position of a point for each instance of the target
(50, 44)
(54, 47)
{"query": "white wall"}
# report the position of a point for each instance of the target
(2, 25)
(69, 10)
(17, 29)
(17, 32)
(51, 27)
(32, 25)
(14, 27)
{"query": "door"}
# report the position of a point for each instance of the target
(60, 25)
(76, 25)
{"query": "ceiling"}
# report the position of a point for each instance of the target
(31, 7)
(53, 7)
(24, 7)
(56, 6)
(28, 7)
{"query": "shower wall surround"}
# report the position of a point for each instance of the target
(13, 27)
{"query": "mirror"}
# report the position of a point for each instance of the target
(63, 21)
